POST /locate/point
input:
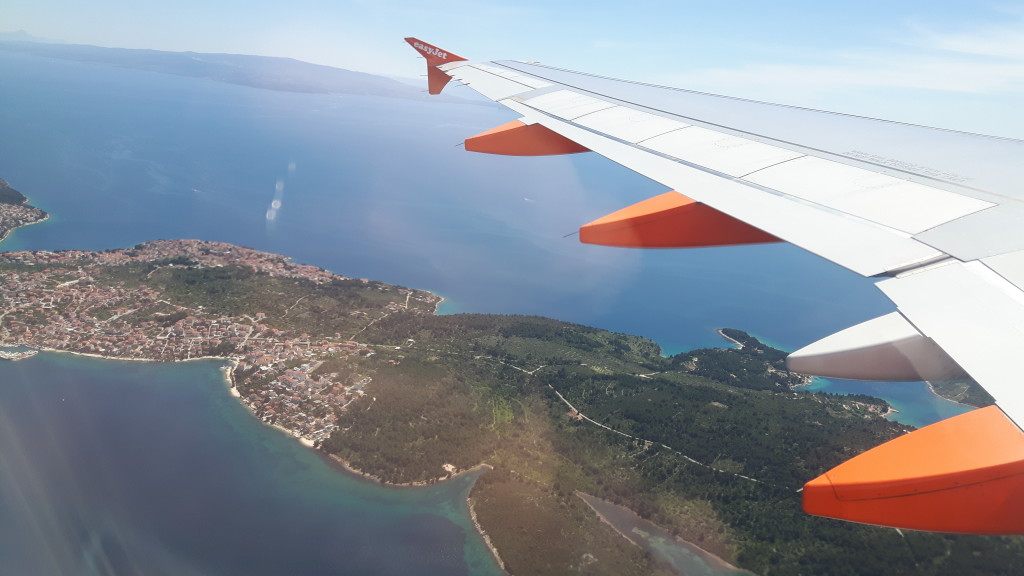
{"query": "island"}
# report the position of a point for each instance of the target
(710, 445)
(15, 211)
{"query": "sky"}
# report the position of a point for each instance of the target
(952, 64)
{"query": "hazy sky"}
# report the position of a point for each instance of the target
(947, 63)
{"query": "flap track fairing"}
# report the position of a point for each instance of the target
(671, 220)
(964, 474)
(519, 139)
(887, 348)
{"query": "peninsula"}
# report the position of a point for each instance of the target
(710, 444)
(15, 211)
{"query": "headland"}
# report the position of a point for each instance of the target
(15, 211)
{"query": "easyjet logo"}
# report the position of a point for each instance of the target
(431, 50)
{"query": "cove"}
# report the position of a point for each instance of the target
(682, 556)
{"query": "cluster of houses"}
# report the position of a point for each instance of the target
(51, 301)
(304, 403)
(198, 253)
(16, 215)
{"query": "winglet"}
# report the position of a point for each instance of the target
(436, 79)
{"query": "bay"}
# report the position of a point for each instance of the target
(140, 468)
(916, 404)
(682, 556)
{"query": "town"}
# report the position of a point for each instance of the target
(15, 211)
(53, 301)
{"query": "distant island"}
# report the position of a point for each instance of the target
(710, 444)
(15, 211)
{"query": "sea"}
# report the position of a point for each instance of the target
(142, 468)
(124, 467)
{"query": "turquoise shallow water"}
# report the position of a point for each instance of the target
(916, 404)
(683, 557)
(130, 468)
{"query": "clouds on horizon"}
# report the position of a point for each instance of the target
(984, 59)
(870, 58)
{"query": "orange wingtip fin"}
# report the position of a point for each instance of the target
(518, 139)
(436, 79)
(671, 220)
(964, 474)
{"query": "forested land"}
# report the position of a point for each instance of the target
(9, 195)
(712, 444)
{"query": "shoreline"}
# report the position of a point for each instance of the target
(892, 410)
(482, 467)
(937, 395)
(350, 469)
(6, 233)
(739, 345)
(811, 380)
(229, 377)
(706, 555)
(483, 533)
(338, 462)
(227, 372)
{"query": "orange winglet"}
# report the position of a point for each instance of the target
(436, 79)
(964, 474)
(518, 139)
(671, 220)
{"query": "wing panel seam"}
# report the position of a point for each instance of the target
(725, 176)
(883, 169)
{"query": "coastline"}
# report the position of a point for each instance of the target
(483, 533)
(936, 394)
(304, 441)
(229, 376)
(86, 354)
(482, 467)
(350, 469)
(338, 462)
(6, 233)
(811, 380)
(704, 554)
(739, 345)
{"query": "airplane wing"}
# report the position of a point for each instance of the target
(936, 215)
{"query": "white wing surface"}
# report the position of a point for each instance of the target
(937, 215)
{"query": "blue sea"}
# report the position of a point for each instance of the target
(377, 188)
(366, 187)
(140, 468)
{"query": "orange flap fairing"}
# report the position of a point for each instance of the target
(671, 220)
(964, 474)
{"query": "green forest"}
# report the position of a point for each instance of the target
(9, 195)
(719, 441)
